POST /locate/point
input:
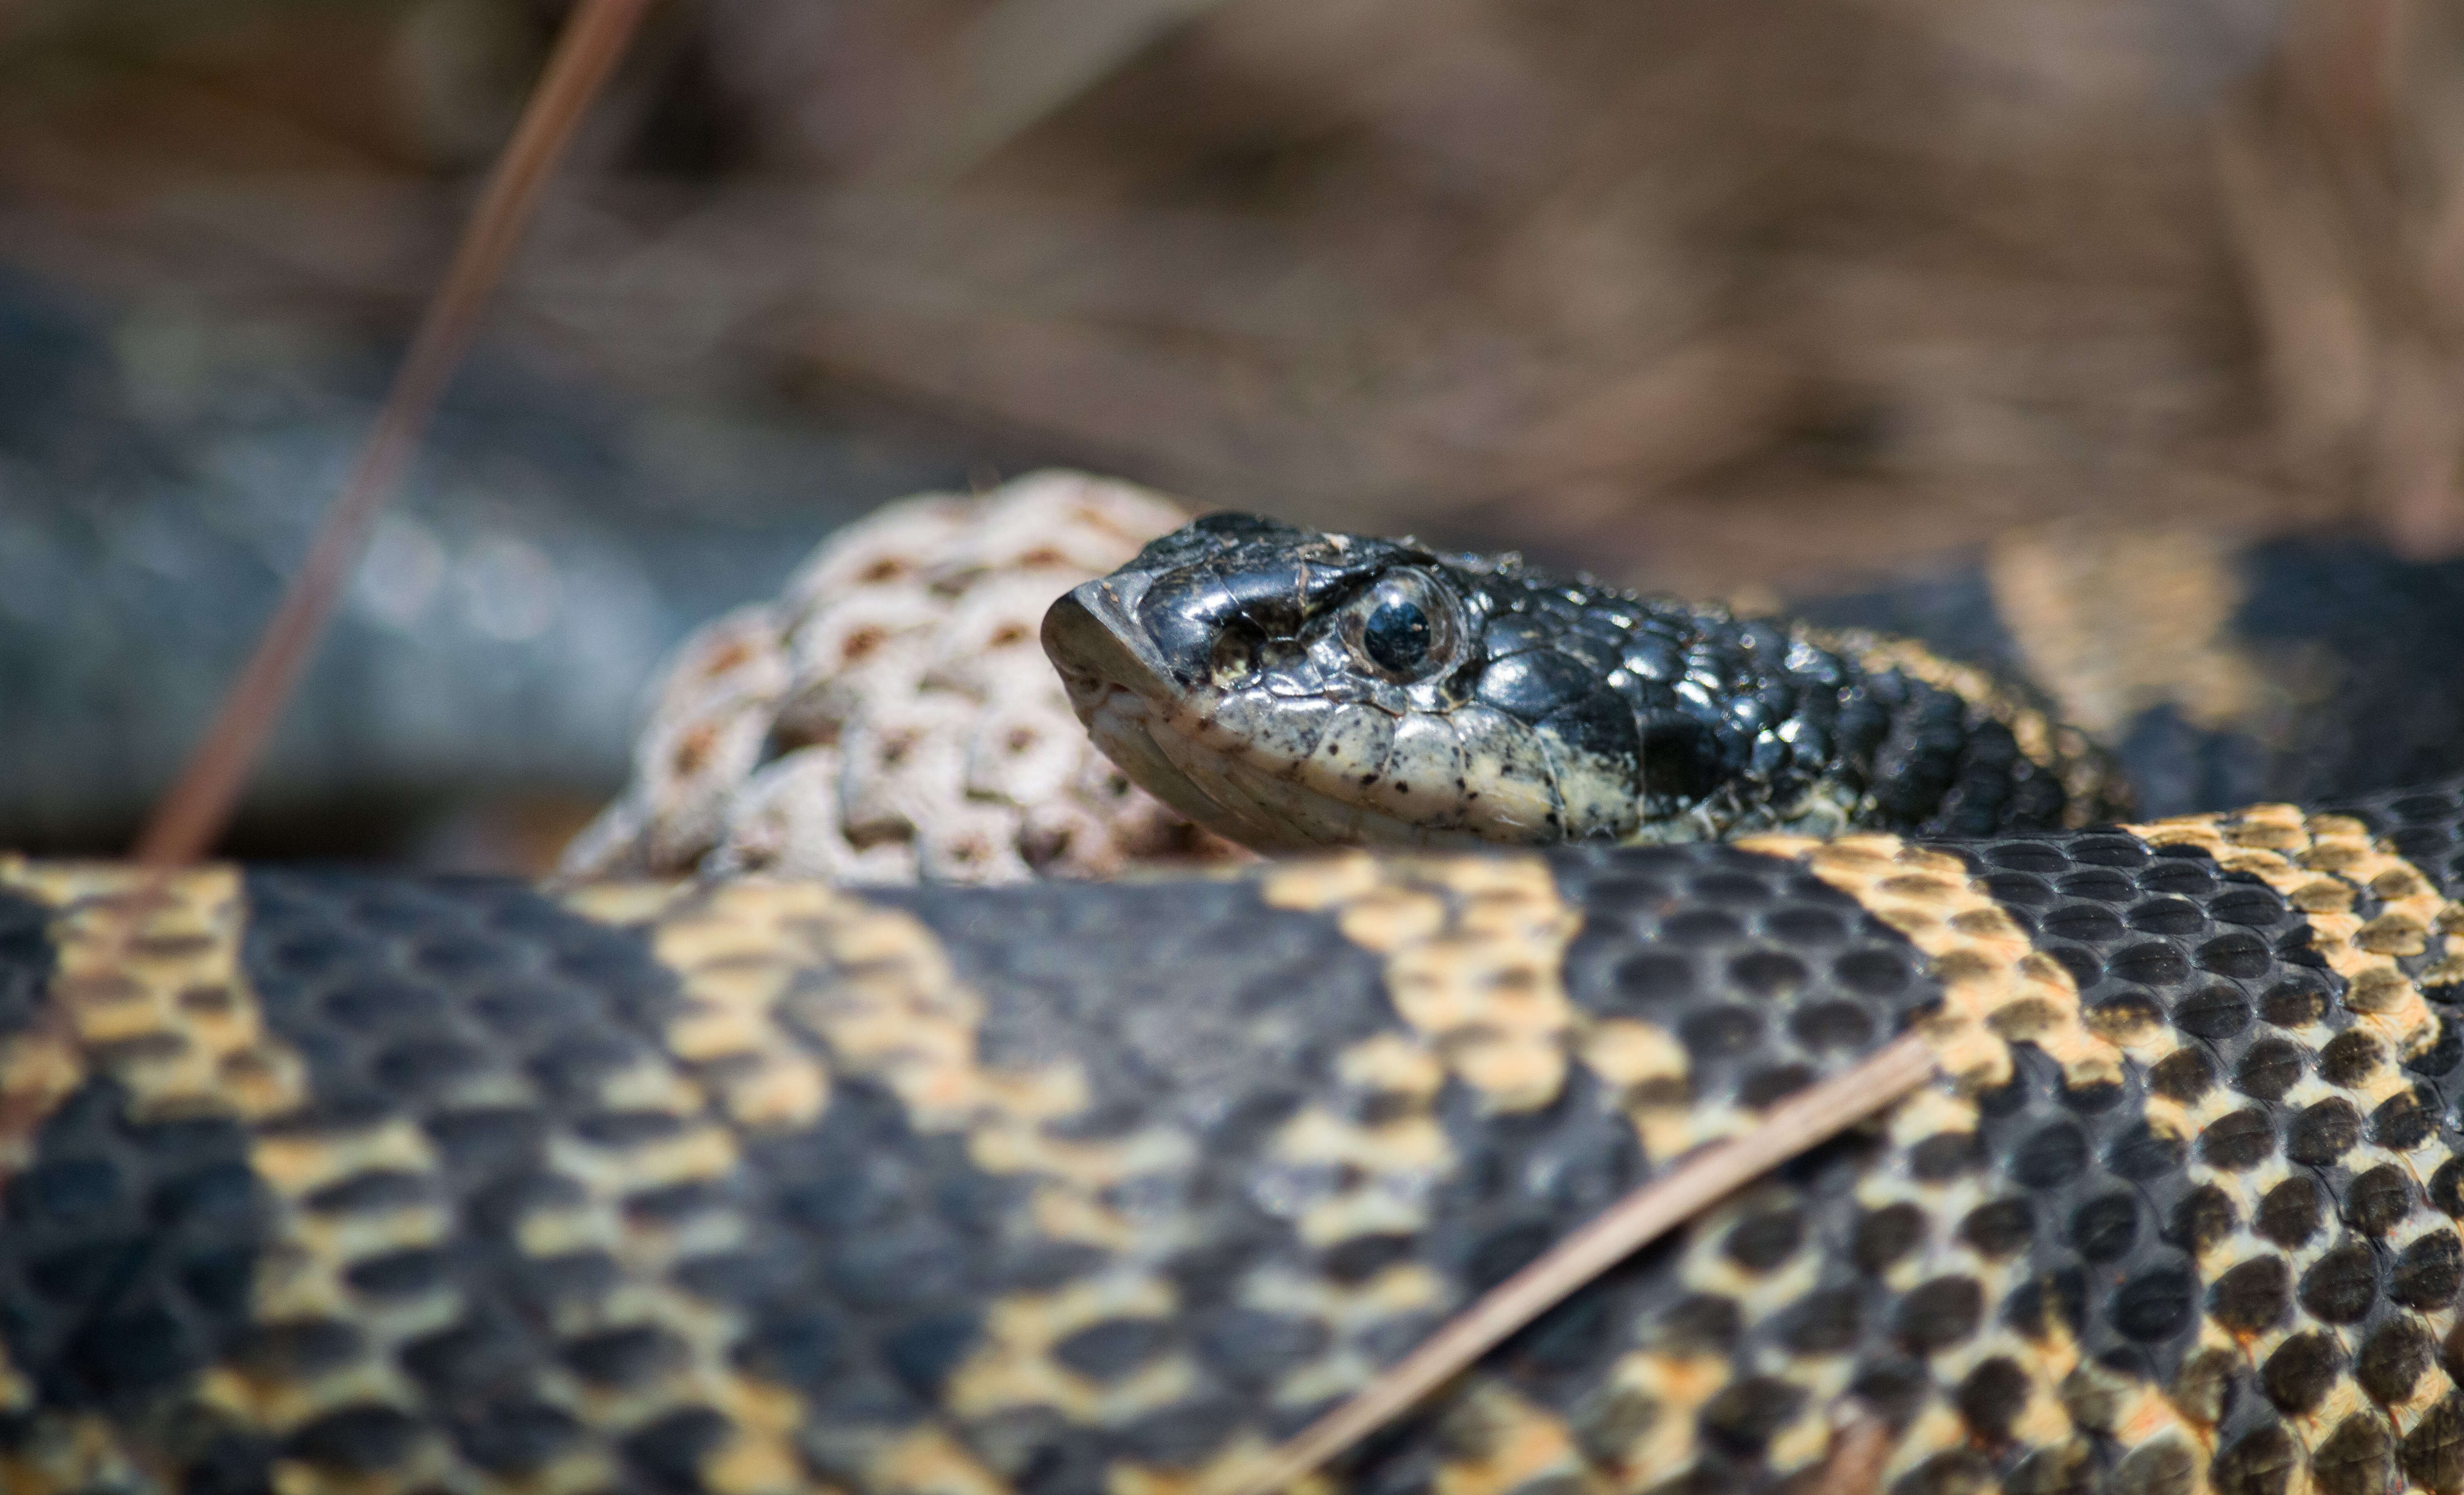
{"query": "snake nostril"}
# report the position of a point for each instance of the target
(1234, 657)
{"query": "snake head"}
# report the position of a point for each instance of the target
(1289, 688)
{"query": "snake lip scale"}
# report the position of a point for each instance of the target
(335, 1183)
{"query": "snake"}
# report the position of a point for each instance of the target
(1288, 689)
(325, 1180)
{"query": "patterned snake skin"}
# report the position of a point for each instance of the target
(333, 1183)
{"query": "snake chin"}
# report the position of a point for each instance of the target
(1261, 805)
(1121, 727)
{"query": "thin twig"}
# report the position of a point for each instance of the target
(1797, 1124)
(1861, 1446)
(191, 814)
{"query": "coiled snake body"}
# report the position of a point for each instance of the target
(323, 1182)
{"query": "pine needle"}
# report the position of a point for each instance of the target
(1801, 1122)
(193, 814)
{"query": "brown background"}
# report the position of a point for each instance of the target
(1779, 295)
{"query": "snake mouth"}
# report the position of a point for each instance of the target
(1140, 717)
(1092, 637)
(1173, 737)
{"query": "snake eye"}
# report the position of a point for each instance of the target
(1405, 628)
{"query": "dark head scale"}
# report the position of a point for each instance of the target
(1289, 689)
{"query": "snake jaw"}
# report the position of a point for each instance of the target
(1162, 759)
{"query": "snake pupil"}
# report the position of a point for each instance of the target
(1404, 628)
(1396, 637)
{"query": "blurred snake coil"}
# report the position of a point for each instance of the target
(321, 1181)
